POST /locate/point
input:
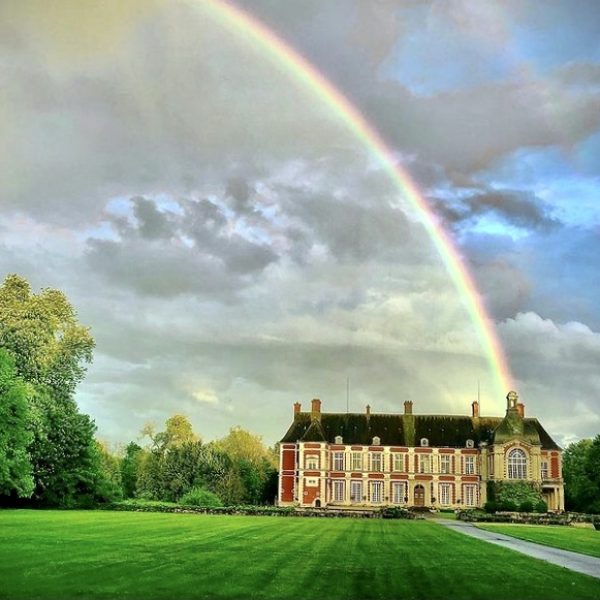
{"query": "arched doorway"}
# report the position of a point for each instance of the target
(419, 495)
(317, 503)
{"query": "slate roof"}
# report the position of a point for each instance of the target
(448, 431)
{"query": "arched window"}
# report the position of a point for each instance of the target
(376, 441)
(517, 464)
(338, 439)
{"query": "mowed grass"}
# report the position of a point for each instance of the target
(584, 541)
(87, 554)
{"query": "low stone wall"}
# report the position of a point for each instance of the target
(269, 511)
(475, 516)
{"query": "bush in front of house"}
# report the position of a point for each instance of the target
(199, 496)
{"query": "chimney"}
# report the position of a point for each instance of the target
(315, 409)
(521, 409)
(408, 407)
(475, 407)
(297, 408)
(368, 410)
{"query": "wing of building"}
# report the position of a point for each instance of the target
(369, 459)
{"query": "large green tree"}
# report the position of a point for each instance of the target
(581, 472)
(16, 472)
(51, 349)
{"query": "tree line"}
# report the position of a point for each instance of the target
(49, 455)
(581, 472)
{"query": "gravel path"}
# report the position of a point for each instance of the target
(581, 563)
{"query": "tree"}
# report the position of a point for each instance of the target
(50, 349)
(67, 463)
(580, 489)
(130, 469)
(43, 335)
(16, 472)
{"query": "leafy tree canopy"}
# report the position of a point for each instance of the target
(16, 473)
(43, 335)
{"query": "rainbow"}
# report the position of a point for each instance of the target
(253, 31)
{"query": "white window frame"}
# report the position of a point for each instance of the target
(376, 457)
(398, 462)
(469, 464)
(398, 492)
(545, 472)
(308, 461)
(470, 495)
(311, 482)
(338, 461)
(445, 494)
(516, 464)
(424, 463)
(445, 464)
(356, 485)
(339, 490)
(376, 492)
(357, 459)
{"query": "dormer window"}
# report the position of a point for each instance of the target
(470, 444)
(424, 442)
(376, 441)
(338, 439)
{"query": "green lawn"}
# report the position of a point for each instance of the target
(585, 541)
(78, 554)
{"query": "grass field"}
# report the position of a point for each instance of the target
(78, 554)
(585, 541)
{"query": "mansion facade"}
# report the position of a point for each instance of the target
(438, 461)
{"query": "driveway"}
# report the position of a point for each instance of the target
(588, 565)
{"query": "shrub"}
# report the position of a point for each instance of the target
(541, 507)
(526, 506)
(508, 505)
(199, 496)
(490, 506)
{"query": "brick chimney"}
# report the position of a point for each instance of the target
(475, 407)
(368, 410)
(315, 409)
(521, 409)
(408, 407)
(297, 408)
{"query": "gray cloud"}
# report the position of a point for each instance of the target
(264, 255)
(520, 209)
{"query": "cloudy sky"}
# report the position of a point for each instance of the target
(234, 248)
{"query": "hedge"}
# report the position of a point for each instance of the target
(272, 511)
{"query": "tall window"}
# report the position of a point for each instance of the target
(338, 491)
(338, 461)
(312, 462)
(470, 495)
(398, 492)
(376, 491)
(445, 463)
(424, 463)
(445, 494)
(469, 465)
(517, 464)
(376, 461)
(544, 469)
(356, 491)
(357, 461)
(398, 461)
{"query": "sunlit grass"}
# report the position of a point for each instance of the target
(584, 541)
(78, 554)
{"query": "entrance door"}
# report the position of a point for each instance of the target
(419, 495)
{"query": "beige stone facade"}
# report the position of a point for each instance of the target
(369, 460)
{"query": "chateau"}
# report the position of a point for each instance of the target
(440, 461)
